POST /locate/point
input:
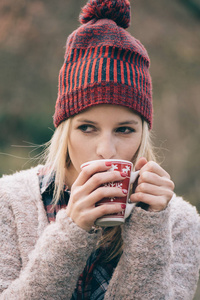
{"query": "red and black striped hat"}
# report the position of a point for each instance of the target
(104, 64)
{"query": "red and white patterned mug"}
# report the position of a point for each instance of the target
(126, 167)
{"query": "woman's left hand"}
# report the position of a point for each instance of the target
(154, 188)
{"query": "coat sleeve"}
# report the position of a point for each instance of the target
(54, 265)
(161, 257)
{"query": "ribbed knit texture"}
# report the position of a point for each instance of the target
(104, 64)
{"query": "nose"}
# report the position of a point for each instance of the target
(106, 147)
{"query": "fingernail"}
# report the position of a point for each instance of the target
(108, 163)
(123, 174)
(124, 191)
(123, 206)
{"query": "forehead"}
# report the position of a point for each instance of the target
(108, 111)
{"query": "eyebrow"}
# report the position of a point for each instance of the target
(130, 122)
(85, 121)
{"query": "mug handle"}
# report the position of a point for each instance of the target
(129, 205)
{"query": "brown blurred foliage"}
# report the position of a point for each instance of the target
(32, 41)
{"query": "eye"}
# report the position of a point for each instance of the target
(125, 130)
(87, 128)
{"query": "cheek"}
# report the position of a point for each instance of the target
(79, 150)
(130, 147)
(73, 148)
(138, 141)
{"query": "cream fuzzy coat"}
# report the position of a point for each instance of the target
(38, 260)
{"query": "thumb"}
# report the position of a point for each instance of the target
(140, 163)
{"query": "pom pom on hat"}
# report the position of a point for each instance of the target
(116, 10)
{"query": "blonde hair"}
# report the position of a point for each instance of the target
(58, 160)
(56, 157)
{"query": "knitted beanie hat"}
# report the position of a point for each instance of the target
(104, 64)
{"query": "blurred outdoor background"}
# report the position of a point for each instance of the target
(32, 45)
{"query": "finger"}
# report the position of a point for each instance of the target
(156, 203)
(153, 178)
(91, 169)
(86, 218)
(152, 189)
(105, 178)
(107, 209)
(153, 167)
(106, 192)
(97, 195)
(140, 163)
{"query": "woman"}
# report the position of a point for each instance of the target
(50, 247)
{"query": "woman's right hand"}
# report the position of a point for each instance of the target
(88, 189)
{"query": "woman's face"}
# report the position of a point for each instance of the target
(103, 132)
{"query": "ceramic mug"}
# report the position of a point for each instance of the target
(126, 167)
